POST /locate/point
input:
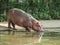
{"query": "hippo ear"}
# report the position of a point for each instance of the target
(37, 22)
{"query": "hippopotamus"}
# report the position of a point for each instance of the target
(19, 17)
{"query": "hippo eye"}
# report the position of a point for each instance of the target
(38, 25)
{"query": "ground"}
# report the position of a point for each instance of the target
(51, 35)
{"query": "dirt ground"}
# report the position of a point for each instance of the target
(55, 24)
(50, 23)
(44, 23)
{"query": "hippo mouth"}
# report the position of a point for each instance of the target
(38, 30)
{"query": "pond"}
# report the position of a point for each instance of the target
(29, 38)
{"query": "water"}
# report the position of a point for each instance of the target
(41, 37)
(21, 38)
(29, 38)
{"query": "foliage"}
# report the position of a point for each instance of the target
(40, 9)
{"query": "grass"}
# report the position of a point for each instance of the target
(21, 38)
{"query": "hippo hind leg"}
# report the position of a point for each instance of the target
(13, 25)
(9, 22)
(13, 28)
(9, 27)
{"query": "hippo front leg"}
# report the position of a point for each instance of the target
(27, 29)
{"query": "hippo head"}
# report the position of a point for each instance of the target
(36, 26)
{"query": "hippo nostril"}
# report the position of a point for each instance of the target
(42, 30)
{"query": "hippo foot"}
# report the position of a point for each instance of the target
(14, 29)
(9, 27)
